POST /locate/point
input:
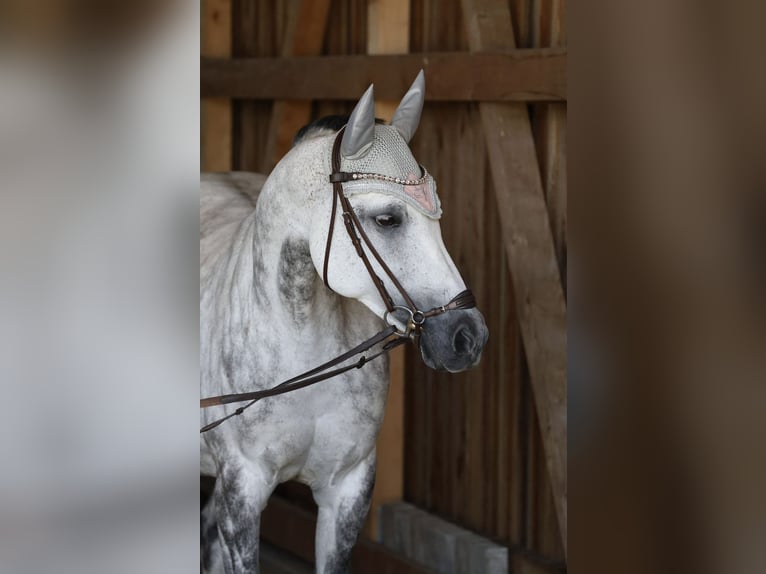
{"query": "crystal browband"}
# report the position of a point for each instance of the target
(419, 193)
(344, 176)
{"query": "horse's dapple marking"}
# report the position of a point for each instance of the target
(266, 315)
(350, 522)
(259, 270)
(297, 279)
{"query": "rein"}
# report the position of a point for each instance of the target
(391, 336)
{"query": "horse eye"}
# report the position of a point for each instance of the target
(387, 220)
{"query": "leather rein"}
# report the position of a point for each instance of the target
(391, 336)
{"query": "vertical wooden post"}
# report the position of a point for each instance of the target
(216, 124)
(388, 32)
(529, 247)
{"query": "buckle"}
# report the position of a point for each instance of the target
(414, 322)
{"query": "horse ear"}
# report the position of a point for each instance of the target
(407, 115)
(360, 130)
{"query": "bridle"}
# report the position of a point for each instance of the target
(391, 336)
(357, 234)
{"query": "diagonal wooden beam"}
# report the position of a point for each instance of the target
(529, 246)
(550, 128)
(306, 26)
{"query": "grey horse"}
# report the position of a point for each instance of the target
(267, 315)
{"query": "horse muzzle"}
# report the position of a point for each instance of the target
(454, 341)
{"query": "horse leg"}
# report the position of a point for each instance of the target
(343, 508)
(211, 552)
(240, 496)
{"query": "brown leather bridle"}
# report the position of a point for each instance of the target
(391, 336)
(464, 300)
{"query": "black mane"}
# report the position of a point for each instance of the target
(327, 123)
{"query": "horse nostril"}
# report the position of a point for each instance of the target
(463, 341)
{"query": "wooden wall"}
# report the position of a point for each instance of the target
(473, 448)
(258, 31)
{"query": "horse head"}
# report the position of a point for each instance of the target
(395, 203)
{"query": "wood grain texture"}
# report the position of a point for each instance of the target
(304, 36)
(388, 32)
(524, 75)
(548, 29)
(471, 424)
(529, 246)
(549, 122)
(447, 471)
(549, 126)
(388, 26)
(458, 421)
(216, 120)
(455, 418)
(258, 27)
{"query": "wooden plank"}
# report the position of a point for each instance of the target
(461, 431)
(216, 134)
(304, 35)
(216, 124)
(529, 246)
(549, 128)
(517, 397)
(550, 137)
(388, 26)
(533, 479)
(292, 528)
(258, 28)
(521, 75)
(347, 31)
(450, 142)
(505, 381)
(437, 26)
(388, 32)
(466, 240)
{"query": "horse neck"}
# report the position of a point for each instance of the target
(288, 292)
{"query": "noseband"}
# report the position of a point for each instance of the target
(390, 337)
(417, 318)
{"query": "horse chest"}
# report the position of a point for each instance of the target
(344, 433)
(314, 433)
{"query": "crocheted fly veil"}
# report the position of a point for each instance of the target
(389, 167)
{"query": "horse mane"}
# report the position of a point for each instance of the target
(323, 126)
